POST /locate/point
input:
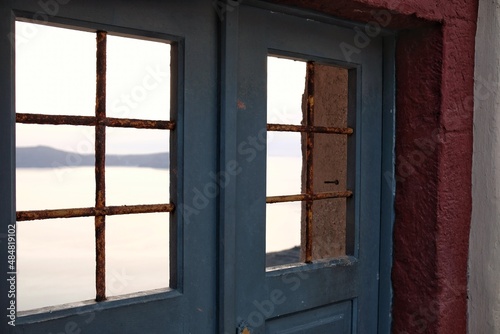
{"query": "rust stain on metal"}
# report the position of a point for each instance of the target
(333, 194)
(91, 212)
(241, 105)
(286, 198)
(309, 122)
(309, 128)
(135, 209)
(52, 214)
(93, 121)
(308, 197)
(100, 269)
(139, 123)
(100, 162)
(54, 119)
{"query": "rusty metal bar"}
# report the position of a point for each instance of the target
(134, 209)
(286, 198)
(90, 212)
(92, 121)
(100, 162)
(54, 119)
(309, 121)
(309, 128)
(308, 197)
(139, 123)
(332, 194)
(51, 214)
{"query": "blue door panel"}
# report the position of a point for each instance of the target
(328, 319)
(306, 289)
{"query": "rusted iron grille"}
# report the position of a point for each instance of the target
(309, 129)
(100, 122)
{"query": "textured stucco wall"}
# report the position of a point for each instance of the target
(484, 259)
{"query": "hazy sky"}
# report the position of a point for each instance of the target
(55, 74)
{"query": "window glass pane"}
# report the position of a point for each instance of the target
(137, 166)
(137, 252)
(55, 70)
(54, 167)
(55, 262)
(77, 139)
(136, 141)
(284, 163)
(283, 233)
(288, 166)
(138, 79)
(285, 84)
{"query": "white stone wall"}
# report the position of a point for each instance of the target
(484, 258)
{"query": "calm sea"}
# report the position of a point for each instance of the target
(56, 259)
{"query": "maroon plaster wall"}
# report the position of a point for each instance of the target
(435, 67)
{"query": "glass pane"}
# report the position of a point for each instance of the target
(55, 262)
(138, 79)
(49, 80)
(287, 151)
(137, 253)
(284, 163)
(283, 233)
(54, 167)
(137, 166)
(285, 87)
(329, 228)
(125, 141)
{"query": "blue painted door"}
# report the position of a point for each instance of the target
(329, 295)
(189, 304)
(219, 281)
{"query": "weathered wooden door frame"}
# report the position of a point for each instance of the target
(228, 150)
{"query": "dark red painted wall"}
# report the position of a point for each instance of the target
(435, 68)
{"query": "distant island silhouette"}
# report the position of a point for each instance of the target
(48, 157)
